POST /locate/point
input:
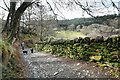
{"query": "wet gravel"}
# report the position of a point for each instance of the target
(45, 65)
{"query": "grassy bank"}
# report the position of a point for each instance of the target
(12, 66)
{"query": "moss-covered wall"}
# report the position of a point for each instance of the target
(97, 50)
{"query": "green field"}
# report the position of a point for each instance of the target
(68, 35)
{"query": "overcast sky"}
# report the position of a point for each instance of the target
(98, 11)
(77, 12)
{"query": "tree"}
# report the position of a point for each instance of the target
(45, 22)
(37, 20)
(16, 19)
(10, 16)
(13, 18)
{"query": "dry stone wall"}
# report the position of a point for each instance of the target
(99, 49)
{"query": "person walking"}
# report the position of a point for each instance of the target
(22, 45)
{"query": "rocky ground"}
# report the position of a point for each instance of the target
(45, 65)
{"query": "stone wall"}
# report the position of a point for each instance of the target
(99, 49)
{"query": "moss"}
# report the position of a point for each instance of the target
(76, 45)
(12, 69)
(87, 39)
(7, 51)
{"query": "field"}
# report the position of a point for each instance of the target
(68, 35)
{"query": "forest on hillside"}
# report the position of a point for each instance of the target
(97, 25)
(89, 21)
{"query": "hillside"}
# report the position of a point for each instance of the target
(99, 26)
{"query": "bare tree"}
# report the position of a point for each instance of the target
(14, 18)
(10, 16)
(46, 22)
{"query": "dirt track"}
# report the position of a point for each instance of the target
(45, 65)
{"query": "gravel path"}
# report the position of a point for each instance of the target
(45, 65)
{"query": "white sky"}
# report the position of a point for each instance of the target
(77, 12)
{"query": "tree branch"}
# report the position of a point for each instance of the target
(50, 7)
(104, 4)
(84, 8)
(6, 5)
(115, 5)
(52, 11)
(3, 8)
(59, 11)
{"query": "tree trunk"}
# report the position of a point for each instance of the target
(41, 33)
(5, 29)
(10, 17)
